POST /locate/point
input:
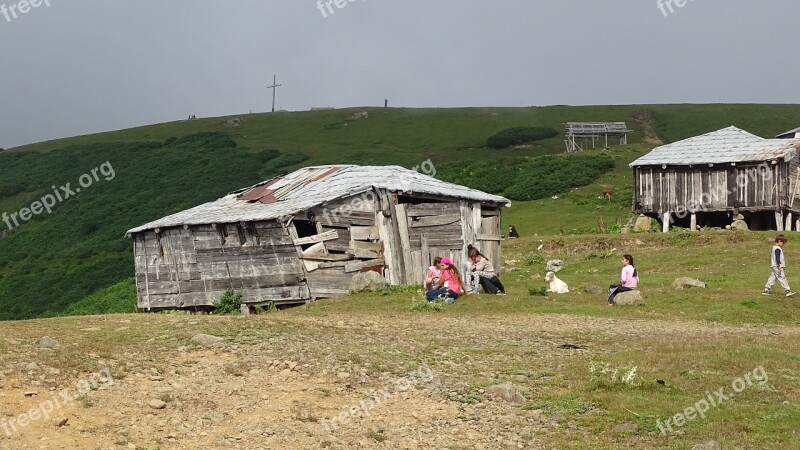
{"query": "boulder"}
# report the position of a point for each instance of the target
(555, 265)
(710, 445)
(630, 298)
(205, 340)
(157, 404)
(685, 282)
(47, 342)
(508, 393)
(643, 224)
(739, 225)
(368, 282)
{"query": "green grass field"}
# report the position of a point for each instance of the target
(58, 259)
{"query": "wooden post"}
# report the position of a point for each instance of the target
(693, 221)
(779, 220)
(665, 218)
(788, 226)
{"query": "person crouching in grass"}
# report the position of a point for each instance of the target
(450, 285)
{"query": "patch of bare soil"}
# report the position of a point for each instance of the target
(300, 381)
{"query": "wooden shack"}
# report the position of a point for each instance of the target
(304, 236)
(708, 180)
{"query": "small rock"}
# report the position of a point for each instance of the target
(710, 445)
(157, 404)
(31, 394)
(507, 392)
(60, 422)
(205, 340)
(32, 366)
(593, 289)
(626, 428)
(684, 282)
(47, 342)
(555, 265)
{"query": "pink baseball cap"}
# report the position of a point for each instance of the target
(447, 261)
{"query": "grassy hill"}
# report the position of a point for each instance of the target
(52, 262)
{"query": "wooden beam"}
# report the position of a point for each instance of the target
(488, 237)
(363, 254)
(356, 266)
(666, 218)
(326, 257)
(364, 233)
(693, 222)
(432, 221)
(328, 236)
(405, 242)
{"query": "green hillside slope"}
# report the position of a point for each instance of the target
(56, 259)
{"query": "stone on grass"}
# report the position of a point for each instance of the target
(368, 282)
(685, 282)
(555, 265)
(739, 225)
(626, 428)
(47, 342)
(710, 445)
(508, 393)
(630, 298)
(643, 224)
(205, 340)
(593, 289)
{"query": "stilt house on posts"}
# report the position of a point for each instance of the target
(304, 236)
(707, 180)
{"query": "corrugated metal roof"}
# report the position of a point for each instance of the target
(724, 146)
(314, 186)
(789, 134)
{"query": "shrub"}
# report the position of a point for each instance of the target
(537, 292)
(520, 135)
(528, 178)
(418, 305)
(288, 159)
(229, 303)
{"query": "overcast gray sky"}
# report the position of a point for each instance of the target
(83, 66)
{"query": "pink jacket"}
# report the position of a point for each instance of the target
(627, 278)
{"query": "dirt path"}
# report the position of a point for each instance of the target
(277, 381)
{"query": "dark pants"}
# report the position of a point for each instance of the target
(492, 285)
(432, 295)
(615, 289)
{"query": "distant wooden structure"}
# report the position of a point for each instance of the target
(304, 236)
(583, 132)
(708, 179)
(791, 134)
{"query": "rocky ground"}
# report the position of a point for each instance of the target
(277, 381)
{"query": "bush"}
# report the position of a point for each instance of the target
(229, 303)
(537, 292)
(528, 178)
(418, 305)
(520, 135)
(288, 159)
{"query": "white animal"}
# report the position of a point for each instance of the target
(556, 285)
